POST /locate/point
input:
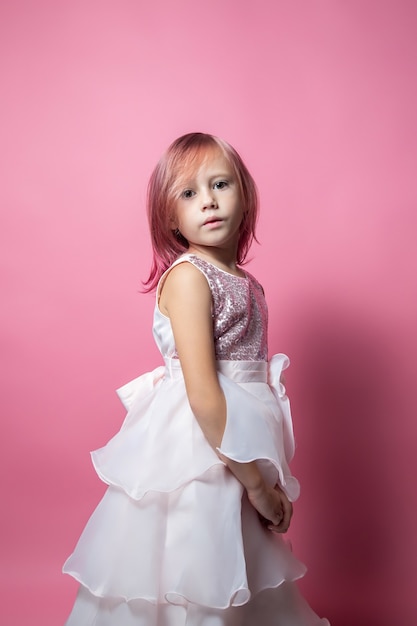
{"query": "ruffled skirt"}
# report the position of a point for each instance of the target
(174, 541)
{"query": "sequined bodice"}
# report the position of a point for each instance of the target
(239, 313)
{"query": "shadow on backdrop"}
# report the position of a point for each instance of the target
(345, 392)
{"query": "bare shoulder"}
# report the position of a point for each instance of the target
(184, 283)
(183, 277)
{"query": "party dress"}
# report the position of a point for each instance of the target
(175, 541)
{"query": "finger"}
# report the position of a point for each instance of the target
(287, 514)
(287, 507)
(277, 515)
(283, 525)
(274, 529)
(274, 521)
(278, 528)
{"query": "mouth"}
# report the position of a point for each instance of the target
(212, 221)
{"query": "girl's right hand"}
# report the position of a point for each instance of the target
(273, 506)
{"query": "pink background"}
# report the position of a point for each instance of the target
(320, 99)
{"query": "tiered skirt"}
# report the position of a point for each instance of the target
(174, 541)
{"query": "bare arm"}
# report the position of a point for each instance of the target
(186, 300)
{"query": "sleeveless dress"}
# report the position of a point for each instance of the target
(174, 541)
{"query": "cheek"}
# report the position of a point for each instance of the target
(185, 216)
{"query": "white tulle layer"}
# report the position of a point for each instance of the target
(185, 546)
(161, 425)
(283, 606)
(174, 541)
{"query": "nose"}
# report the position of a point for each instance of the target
(209, 200)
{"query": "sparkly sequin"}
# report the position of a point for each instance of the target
(240, 315)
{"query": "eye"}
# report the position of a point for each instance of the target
(221, 184)
(187, 193)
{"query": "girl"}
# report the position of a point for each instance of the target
(189, 532)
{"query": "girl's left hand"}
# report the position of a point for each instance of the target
(287, 510)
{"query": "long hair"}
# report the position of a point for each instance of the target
(183, 157)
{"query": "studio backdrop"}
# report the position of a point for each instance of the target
(319, 97)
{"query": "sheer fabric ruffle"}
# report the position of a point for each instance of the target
(174, 541)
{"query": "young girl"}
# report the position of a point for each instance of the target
(189, 532)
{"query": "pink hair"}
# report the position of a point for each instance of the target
(183, 156)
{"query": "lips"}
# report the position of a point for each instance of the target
(212, 220)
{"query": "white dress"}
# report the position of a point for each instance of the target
(174, 541)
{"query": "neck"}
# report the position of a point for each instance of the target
(225, 259)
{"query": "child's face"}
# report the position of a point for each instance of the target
(208, 212)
